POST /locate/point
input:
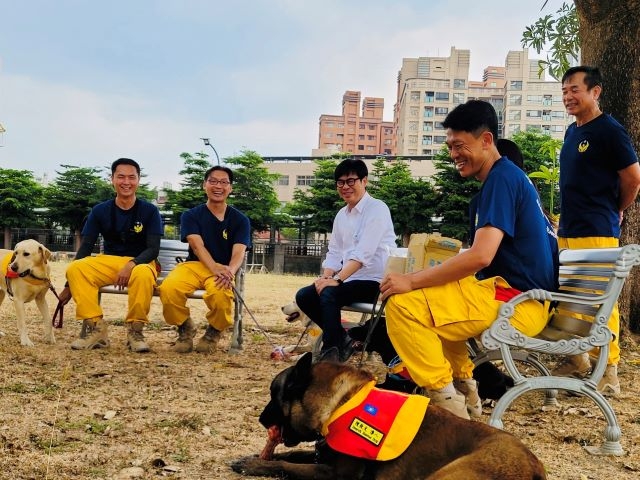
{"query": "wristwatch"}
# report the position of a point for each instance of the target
(337, 278)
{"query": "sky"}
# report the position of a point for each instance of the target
(83, 83)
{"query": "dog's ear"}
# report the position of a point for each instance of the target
(304, 362)
(13, 257)
(45, 252)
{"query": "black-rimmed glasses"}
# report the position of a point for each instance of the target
(213, 181)
(349, 182)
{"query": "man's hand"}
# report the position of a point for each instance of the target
(224, 276)
(395, 283)
(65, 296)
(123, 275)
(323, 282)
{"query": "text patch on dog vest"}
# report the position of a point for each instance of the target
(375, 424)
(366, 431)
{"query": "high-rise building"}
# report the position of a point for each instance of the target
(429, 87)
(364, 133)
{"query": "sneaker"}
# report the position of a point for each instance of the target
(469, 388)
(347, 349)
(573, 366)
(95, 335)
(209, 340)
(135, 338)
(609, 385)
(186, 332)
(454, 402)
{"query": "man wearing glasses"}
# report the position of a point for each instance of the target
(361, 237)
(218, 236)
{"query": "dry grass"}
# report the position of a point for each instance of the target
(98, 414)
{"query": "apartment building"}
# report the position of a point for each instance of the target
(361, 132)
(429, 87)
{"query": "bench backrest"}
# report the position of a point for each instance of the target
(593, 280)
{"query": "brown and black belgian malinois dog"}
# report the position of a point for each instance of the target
(306, 397)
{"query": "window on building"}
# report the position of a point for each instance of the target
(283, 180)
(427, 140)
(441, 110)
(459, 83)
(304, 180)
(557, 114)
(360, 147)
(341, 125)
(439, 126)
(515, 99)
(557, 128)
(458, 98)
(442, 96)
(415, 96)
(427, 126)
(439, 139)
(360, 137)
(414, 111)
(514, 115)
(428, 97)
(534, 113)
(370, 148)
(515, 85)
(340, 136)
(329, 124)
(534, 98)
(428, 111)
(514, 128)
(361, 126)
(372, 127)
(387, 141)
(328, 134)
(413, 139)
(426, 151)
(371, 137)
(493, 84)
(388, 131)
(413, 126)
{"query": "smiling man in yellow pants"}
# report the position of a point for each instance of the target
(431, 313)
(131, 228)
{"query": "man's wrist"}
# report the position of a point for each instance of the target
(337, 278)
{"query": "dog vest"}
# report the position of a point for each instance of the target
(375, 424)
(4, 267)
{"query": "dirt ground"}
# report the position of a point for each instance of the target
(111, 414)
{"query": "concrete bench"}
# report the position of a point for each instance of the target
(173, 252)
(590, 283)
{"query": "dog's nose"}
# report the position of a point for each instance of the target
(14, 267)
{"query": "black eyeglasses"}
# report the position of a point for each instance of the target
(213, 181)
(349, 182)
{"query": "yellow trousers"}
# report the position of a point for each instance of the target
(429, 327)
(183, 280)
(87, 275)
(614, 320)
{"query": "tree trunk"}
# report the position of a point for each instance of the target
(609, 33)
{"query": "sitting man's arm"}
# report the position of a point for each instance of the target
(485, 245)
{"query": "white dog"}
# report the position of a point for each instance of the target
(314, 332)
(25, 276)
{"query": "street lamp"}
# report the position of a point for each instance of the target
(207, 142)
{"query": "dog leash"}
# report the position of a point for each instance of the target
(246, 307)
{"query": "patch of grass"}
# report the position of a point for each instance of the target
(21, 388)
(182, 455)
(191, 422)
(90, 425)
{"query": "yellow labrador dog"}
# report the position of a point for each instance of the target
(24, 276)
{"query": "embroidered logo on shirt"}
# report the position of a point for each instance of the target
(583, 146)
(137, 227)
(225, 235)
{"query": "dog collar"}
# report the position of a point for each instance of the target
(375, 424)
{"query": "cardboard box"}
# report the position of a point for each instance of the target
(396, 261)
(429, 249)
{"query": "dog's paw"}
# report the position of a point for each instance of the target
(247, 465)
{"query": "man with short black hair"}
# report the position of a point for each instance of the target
(131, 229)
(361, 238)
(218, 236)
(431, 313)
(599, 179)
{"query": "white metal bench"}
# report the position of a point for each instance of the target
(173, 252)
(590, 283)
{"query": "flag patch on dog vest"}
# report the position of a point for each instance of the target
(375, 424)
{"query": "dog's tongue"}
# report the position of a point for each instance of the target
(274, 438)
(293, 316)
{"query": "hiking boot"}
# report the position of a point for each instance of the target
(573, 366)
(186, 332)
(469, 388)
(209, 340)
(609, 385)
(95, 336)
(135, 338)
(454, 402)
